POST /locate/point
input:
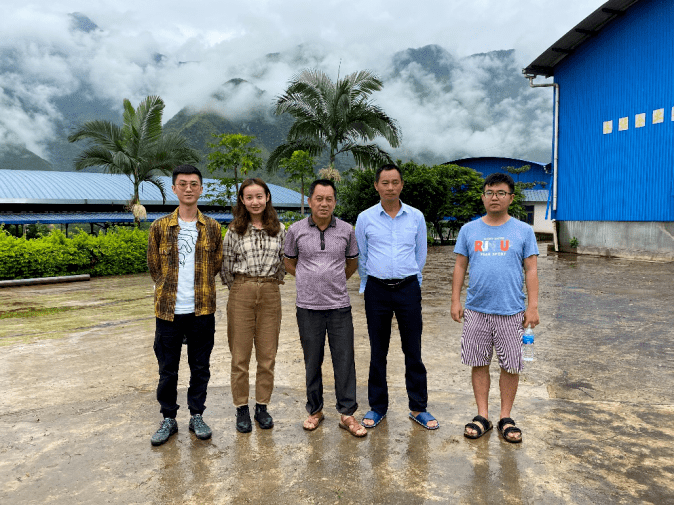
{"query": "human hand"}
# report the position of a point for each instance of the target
(531, 317)
(456, 311)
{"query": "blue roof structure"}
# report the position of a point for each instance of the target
(53, 187)
(68, 218)
(536, 195)
(539, 172)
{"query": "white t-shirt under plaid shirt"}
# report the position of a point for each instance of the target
(255, 253)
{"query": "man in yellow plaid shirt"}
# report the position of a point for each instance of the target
(184, 255)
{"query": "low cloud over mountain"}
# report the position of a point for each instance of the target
(58, 70)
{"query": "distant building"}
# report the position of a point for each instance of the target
(614, 188)
(535, 199)
(50, 197)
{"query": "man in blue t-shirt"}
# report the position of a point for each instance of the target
(497, 246)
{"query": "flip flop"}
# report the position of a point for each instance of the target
(481, 429)
(423, 418)
(508, 430)
(375, 417)
(318, 419)
(351, 427)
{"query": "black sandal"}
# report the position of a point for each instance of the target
(509, 430)
(484, 427)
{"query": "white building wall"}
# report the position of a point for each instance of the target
(541, 225)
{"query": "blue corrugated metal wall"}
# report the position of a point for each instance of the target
(490, 164)
(627, 70)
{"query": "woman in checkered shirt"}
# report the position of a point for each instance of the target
(252, 269)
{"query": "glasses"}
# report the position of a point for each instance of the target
(500, 194)
(193, 184)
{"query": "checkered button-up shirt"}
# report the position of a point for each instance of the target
(255, 253)
(162, 260)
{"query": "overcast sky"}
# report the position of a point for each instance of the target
(226, 37)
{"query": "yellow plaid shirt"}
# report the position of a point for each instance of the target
(162, 259)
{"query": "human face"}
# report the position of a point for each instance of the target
(389, 186)
(322, 202)
(496, 204)
(255, 199)
(188, 189)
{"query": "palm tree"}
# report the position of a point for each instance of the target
(139, 149)
(339, 117)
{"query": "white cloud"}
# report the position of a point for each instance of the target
(206, 44)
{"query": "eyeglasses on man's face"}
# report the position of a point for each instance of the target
(184, 184)
(500, 194)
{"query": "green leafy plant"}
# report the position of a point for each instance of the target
(138, 149)
(231, 153)
(335, 117)
(573, 242)
(119, 251)
(299, 167)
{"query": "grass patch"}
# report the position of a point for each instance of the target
(32, 312)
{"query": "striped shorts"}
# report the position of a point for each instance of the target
(484, 332)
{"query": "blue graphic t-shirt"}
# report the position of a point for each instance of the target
(495, 257)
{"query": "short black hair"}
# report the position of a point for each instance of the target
(187, 169)
(322, 182)
(499, 177)
(388, 166)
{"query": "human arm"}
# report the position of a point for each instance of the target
(458, 278)
(153, 256)
(217, 258)
(281, 271)
(228, 259)
(351, 267)
(361, 239)
(531, 281)
(290, 265)
(421, 248)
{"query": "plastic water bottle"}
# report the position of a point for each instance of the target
(528, 345)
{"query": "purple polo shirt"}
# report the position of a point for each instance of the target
(321, 259)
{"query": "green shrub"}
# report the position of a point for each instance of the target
(119, 251)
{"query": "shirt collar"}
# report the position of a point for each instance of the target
(173, 221)
(333, 222)
(403, 208)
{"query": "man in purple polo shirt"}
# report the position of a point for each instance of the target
(322, 253)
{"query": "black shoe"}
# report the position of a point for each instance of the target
(262, 417)
(199, 427)
(167, 428)
(243, 423)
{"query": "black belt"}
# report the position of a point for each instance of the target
(394, 284)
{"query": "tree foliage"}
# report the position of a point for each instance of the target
(448, 195)
(232, 152)
(337, 117)
(138, 149)
(299, 167)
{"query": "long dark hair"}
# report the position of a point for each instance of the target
(270, 221)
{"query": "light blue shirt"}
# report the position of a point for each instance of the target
(390, 248)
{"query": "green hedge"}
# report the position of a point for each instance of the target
(119, 251)
(122, 250)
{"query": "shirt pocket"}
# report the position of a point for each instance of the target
(408, 235)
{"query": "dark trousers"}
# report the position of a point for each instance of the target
(381, 303)
(168, 341)
(338, 323)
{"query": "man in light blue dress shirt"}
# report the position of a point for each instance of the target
(392, 243)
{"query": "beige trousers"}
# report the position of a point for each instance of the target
(253, 319)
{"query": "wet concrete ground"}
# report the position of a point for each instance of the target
(597, 408)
